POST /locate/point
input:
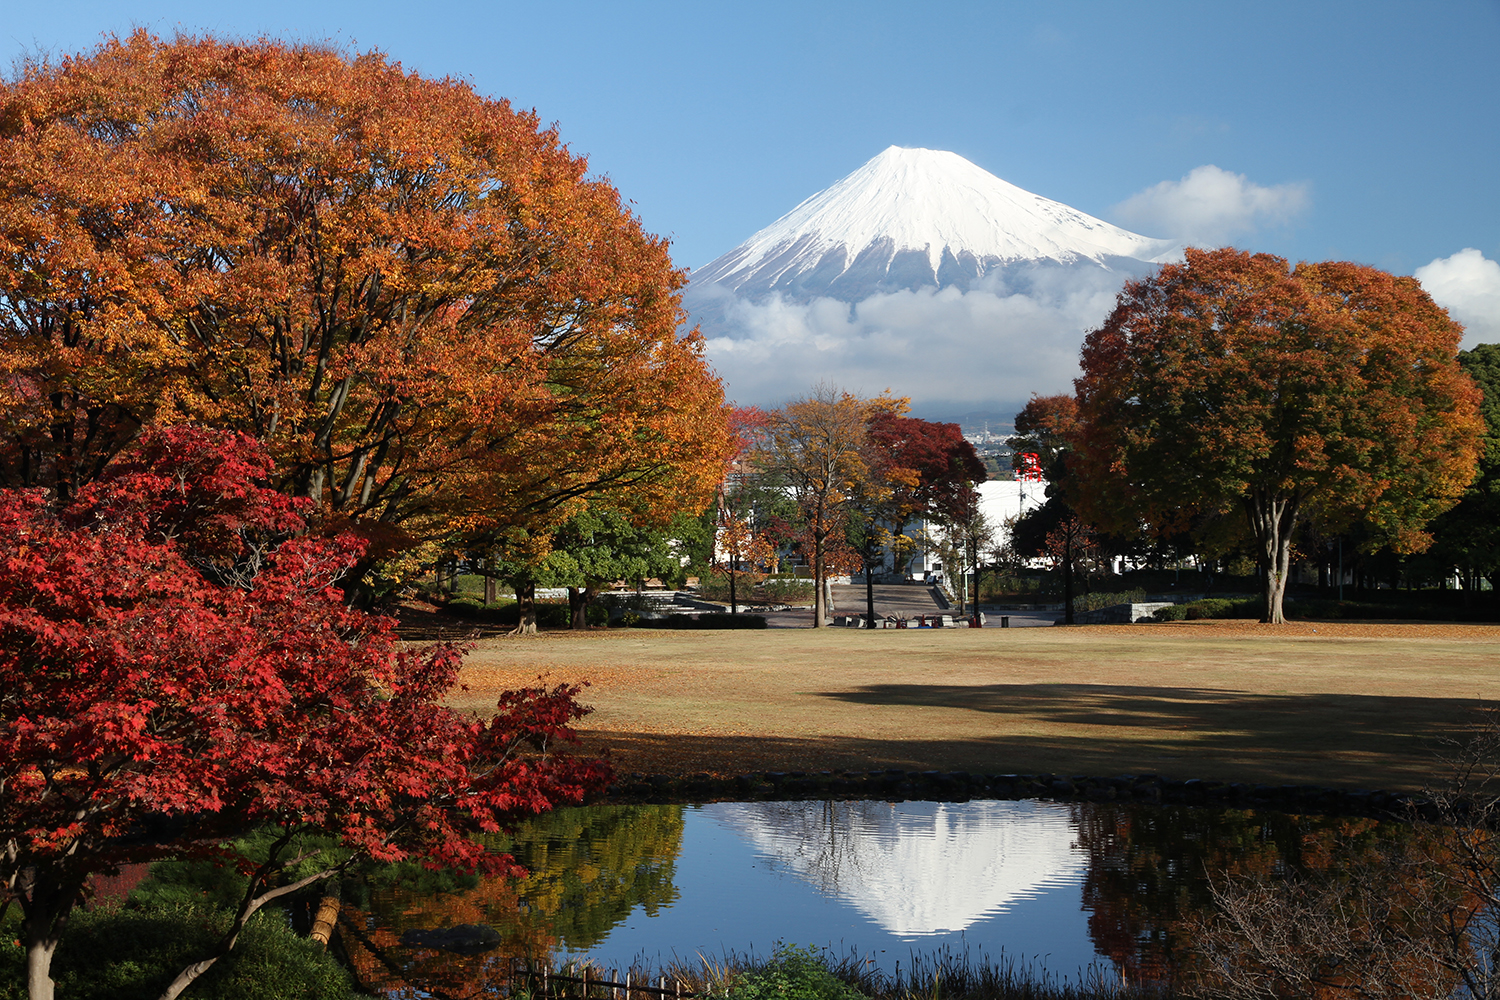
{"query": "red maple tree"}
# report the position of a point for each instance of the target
(177, 667)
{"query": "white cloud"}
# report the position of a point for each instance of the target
(1211, 206)
(1468, 286)
(982, 349)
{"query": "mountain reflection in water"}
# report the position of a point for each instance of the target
(1055, 887)
(916, 868)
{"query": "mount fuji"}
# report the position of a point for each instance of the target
(911, 218)
(921, 272)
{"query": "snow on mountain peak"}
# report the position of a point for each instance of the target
(915, 217)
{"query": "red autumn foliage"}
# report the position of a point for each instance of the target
(945, 465)
(176, 666)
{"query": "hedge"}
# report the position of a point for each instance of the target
(708, 621)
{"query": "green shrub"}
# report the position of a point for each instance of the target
(710, 621)
(500, 613)
(1093, 602)
(553, 615)
(597, 614)
(630, 619)
(468, 585)
(786, 589)
(1170, 613)
(793, 974)
(752, 588)
(550, 614)
(1409, 607)
(1223, 607)
(715, 585)
(133, 953)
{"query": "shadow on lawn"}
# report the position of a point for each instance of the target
(1320, 739)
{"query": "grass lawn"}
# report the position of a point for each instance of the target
(1319, 703)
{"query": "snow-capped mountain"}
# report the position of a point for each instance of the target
(914, 218)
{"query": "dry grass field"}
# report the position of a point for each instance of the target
(1321, 703)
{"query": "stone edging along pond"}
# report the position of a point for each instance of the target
(960, 786)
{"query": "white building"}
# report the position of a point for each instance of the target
(1000, 501)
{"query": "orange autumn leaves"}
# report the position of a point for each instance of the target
(1232, 373)
(412, 294)
(1234, 384)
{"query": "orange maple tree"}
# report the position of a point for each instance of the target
(1325, 393)
(412, 294)
(818, 446)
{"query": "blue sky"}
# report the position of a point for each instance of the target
(1364, 130)
(717, 118)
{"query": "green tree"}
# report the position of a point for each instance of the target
(1327, 393)
(588, 868)
(598, 546)
(1468, 536)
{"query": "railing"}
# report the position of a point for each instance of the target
(594, 984)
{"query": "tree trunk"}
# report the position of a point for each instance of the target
(526, 609)
(491, 585)
(578, 607)
(974, 620)
(1068, 574)
(869, 594)
(820, 599)
(45, 908)
(1273, 519)
(39, 984)
(734, 599)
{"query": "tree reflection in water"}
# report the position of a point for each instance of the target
(589, 867)
(822, 840)
(1148, 889)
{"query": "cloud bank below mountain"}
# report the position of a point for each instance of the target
(948, 349)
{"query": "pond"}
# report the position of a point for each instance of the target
(1060, 888)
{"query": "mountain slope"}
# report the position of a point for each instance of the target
(911, 218)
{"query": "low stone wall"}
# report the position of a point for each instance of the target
(1120, 614)
(960, 786)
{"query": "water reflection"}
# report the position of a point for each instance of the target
(916, 868)
(589, 869)
(1147, 891)
(1060, 886)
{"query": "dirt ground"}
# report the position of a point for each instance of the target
(1345, 704)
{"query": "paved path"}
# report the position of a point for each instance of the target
(906, 600)
(1020, 619)
(911, 599)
